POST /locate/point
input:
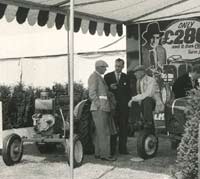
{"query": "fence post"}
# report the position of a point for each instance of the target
(1, 127)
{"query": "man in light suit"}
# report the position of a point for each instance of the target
(118, 84)
(100, 109)
(148, 98)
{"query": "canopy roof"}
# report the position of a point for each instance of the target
(96, 15)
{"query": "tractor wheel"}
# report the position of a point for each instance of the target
(166, 94)
(85, 129)
(77, 152)
(147, 144)
(46, 148)
(12, 149)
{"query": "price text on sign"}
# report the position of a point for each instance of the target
(182, 38)
(188, 36)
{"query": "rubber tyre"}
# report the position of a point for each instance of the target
(12, 149)
(85, 129)
(78, 152)
(147, 144)
(46, 148)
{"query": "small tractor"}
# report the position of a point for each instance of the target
(169, 123)
(51, 131)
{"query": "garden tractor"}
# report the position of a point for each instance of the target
(51, 126)
(169, 123)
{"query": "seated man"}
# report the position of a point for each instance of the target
(147, 99)
(186, 82)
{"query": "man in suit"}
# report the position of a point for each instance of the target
(118, 84)
(100, 109)
(186, 82)
(147, 99)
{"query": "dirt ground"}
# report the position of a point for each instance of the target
(54, 166)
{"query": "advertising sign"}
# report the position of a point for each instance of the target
(182, 38)
(162, 41)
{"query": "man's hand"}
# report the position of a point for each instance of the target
(113, 86)
(130, 103)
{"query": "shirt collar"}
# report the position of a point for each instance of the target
(98, 73)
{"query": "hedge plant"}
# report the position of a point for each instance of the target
(18, 101)
(187, 153)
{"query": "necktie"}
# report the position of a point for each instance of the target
(117, 77)
(152, 58)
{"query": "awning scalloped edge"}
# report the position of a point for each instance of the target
(49, 19)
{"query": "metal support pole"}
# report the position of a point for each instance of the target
(1, 127)
(139, 42)
(199, 152)
(71, 82)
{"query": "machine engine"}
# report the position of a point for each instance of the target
(44, 118)
(43, 123)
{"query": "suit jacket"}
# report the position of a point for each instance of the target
(182, 85)
(122, 93)
(98, 93)
(150, 88)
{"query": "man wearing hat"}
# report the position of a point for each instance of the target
(147, 99)
(153, 53)
(100, 109)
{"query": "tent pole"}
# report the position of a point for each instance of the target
(71, 82)
(139, 42)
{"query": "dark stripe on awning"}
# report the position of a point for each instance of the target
(107, 29)
(2, 9)
(21, 14)
(60, 18)
(92, 27)
(77, 24)
(43, 17)
(119, 29)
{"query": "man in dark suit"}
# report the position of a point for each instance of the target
(118, 84)
(186, 82)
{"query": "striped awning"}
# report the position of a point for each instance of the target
(58, 18)
(96, 16)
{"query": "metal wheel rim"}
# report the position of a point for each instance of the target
(150, 145)
(78, 151)
(16, 150)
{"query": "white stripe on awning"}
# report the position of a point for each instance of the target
(100, 27)
(85, 26)
(113, 30)
(51, 20)
(10, 13)
(32, 16)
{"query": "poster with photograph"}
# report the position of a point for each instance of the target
(169, 41)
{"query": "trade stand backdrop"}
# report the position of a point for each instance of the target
(178, 40)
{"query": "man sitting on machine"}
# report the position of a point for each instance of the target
(147, 99)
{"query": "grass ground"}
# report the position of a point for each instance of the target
(54, 166)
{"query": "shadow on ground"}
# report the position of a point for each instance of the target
(163, 162)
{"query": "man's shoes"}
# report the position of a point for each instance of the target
(110, 158)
